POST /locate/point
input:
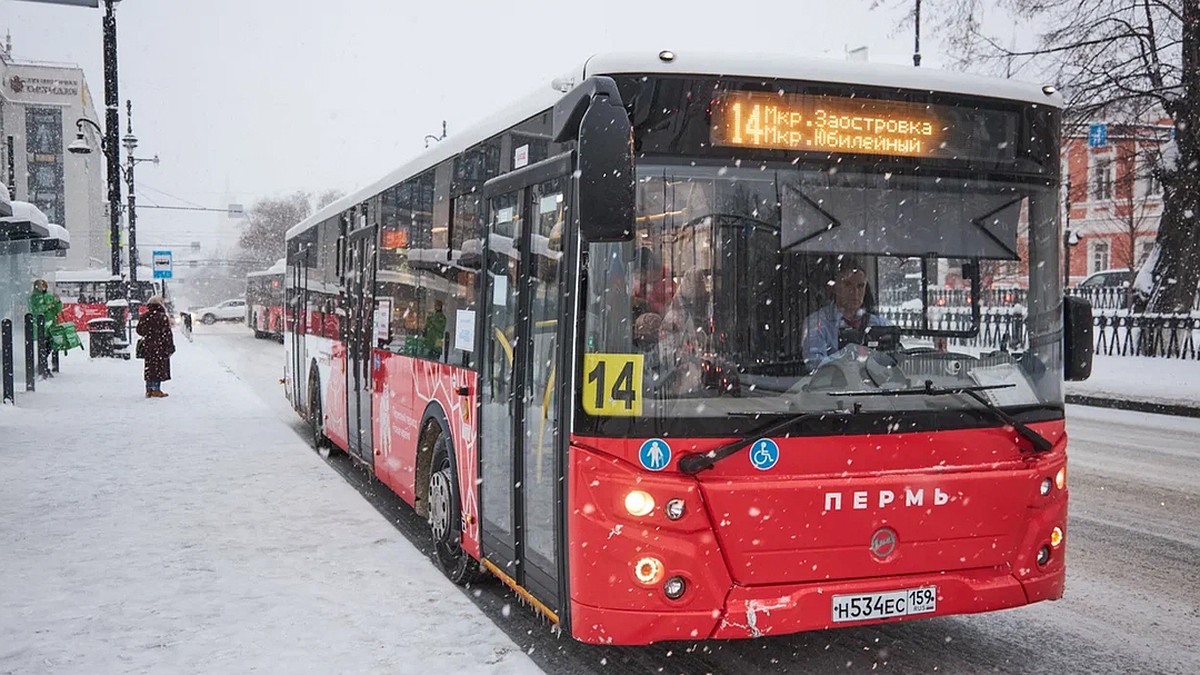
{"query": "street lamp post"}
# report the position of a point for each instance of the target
(131, 142)
(112, 129)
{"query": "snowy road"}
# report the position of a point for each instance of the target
(1133, 588)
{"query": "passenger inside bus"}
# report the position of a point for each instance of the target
(844, 320)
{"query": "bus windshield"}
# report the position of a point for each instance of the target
(753, 290)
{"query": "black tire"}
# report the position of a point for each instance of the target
(259, 335)
(316, 417)
(445, 519)
(208, 319)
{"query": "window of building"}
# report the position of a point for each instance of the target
(1102, 178)
(1151, 184)
(1098, 258)
(1141, 250)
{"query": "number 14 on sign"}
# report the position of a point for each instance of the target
(612, 385)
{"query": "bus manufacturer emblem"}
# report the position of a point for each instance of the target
(655, 454)
(883, 542)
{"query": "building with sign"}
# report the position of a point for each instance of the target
(39, 105)
(1112, 194)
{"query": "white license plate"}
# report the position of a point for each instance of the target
(871, 606)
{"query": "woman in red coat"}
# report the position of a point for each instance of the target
(157, 346)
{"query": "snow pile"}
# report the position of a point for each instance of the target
(199, 533)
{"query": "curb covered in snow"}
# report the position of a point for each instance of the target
(1177, 409)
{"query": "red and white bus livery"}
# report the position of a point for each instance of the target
(85, 293)
(623, 345)
(264, 301)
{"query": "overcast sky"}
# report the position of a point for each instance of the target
(243, 99)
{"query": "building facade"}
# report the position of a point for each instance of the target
(39, 106)
(1113, 195)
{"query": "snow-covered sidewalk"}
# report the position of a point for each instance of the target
(1142, 379)
(199, 533)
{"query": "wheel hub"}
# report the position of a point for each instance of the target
(439, 505)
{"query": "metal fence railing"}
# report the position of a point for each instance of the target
(1172, 336)
(953, 297)
(998, 328)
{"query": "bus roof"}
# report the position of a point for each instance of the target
(279, 267)
(698, 63)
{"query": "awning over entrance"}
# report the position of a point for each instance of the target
(58, 241)
(26, 222)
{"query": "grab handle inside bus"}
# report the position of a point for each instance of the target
(594, 115)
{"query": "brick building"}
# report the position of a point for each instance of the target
(1113, 195)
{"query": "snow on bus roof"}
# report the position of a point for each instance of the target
(697, 63)
(279, 267)
(769, 66)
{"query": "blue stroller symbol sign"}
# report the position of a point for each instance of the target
(764, 454)
(655, 454)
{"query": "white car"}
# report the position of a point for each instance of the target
(230, 310)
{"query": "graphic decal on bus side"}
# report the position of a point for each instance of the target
(655, 454)
(764, 454)
(406, 388)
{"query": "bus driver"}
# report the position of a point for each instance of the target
(844, 319)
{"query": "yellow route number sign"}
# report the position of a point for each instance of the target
(612, 384)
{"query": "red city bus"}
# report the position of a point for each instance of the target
(264, 302)
(85, 293)
(621, 346)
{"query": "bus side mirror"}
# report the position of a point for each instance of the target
(593, 114)
(1077, 339)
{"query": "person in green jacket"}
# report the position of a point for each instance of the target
(435, 331)
(44, 303)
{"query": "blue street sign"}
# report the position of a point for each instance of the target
(1097, 135)
(162, 264)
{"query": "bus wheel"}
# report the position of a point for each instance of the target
(445, 519)
(316, 418)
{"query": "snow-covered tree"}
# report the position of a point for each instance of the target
(1118, 61)
(269, 219)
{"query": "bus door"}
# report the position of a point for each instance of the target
(298, 321)
(360, 302)
(521, 442)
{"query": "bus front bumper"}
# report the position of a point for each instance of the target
(758, 611)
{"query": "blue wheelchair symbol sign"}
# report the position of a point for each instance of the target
(655, 454)
(764, 454)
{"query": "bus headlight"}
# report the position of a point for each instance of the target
(648, 571)
(1046, 485)
(639, 503)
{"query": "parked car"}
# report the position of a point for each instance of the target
(1114, 278)
(1107, 289)
(233, 309)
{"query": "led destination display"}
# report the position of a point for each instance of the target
(815, 123)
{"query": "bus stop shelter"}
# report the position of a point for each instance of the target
(28, 242)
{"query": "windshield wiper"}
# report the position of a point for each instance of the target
(1040, 443)
(696, 462)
